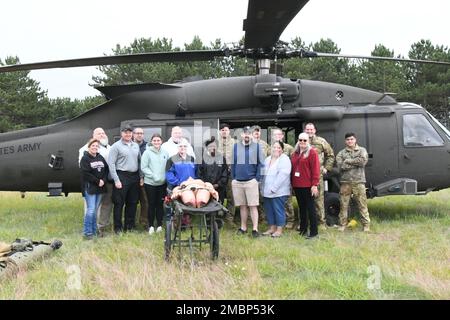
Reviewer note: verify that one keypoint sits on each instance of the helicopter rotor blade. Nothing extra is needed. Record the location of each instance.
(312, 54)
(173, 56)
(266, 21)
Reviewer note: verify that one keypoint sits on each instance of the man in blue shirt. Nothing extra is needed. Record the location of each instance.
(247, 162)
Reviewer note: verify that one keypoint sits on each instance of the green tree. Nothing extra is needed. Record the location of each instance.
(383, 76)
(22, 102)
(429, 85)
(166, 72)
(323, 69)
(66, 108)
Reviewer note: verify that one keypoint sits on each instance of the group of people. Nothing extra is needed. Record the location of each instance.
(245, 173)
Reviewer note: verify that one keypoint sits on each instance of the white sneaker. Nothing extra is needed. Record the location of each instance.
(159, 229)
(151, 230)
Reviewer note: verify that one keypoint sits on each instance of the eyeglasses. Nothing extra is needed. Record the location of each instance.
(302, 140)
(138, 133)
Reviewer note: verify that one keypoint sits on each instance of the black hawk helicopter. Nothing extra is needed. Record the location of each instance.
(414, 159)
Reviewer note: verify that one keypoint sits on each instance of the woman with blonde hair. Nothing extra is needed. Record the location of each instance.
(305, 177)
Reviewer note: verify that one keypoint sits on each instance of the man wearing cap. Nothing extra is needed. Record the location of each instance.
(247, 162)
(326, 159)
(138, 137)
(256, 134)
(226, 143)
(124, 166)
(104, 211)
(171, 145)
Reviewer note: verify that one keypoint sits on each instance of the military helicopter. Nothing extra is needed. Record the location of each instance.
(46, 158)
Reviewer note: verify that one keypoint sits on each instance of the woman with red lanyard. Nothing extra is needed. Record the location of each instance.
(305, 176)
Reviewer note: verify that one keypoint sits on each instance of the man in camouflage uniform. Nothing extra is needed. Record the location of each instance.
(291, 217)
(326, 159)
(256, 134)
(225, 146)
(351, 162)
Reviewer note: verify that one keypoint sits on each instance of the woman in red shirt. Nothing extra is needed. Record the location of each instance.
(305, 176)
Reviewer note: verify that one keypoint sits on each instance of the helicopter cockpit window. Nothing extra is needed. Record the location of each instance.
(418, 132)
(440, 125)
(149, 131)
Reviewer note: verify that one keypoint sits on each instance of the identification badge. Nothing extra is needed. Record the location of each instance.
(297, 174)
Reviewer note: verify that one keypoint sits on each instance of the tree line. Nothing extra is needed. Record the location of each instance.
(24, 104)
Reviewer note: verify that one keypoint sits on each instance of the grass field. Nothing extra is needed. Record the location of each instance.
(406, 256)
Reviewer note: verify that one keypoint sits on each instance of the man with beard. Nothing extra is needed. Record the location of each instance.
(138, 137)
(246, 166)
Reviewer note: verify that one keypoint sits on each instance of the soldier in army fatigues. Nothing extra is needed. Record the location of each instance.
(225, 147)
(256, 134)
(326, 159)
(351, 162)
(291, 217)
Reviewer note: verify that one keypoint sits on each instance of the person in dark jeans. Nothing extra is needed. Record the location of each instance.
(138, 137)
(124, 165)
(305, 177)
(94, 171)
(153, 166)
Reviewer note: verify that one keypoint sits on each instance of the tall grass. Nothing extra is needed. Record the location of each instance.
(409, 245)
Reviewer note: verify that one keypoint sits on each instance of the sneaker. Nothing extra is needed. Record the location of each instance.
(255, 234)
(275, 235)
(88, 237)
(241, 232)
(366, 229)
(341, 228)
(151, 230)
(312, 237)
(159, 229)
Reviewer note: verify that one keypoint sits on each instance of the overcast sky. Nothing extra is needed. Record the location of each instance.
(62, 29)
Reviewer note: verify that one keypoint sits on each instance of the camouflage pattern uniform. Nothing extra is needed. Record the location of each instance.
(288, 150)
(351, 163)
(326, 159)
(225, 146)
(291, 217)
(265, 148)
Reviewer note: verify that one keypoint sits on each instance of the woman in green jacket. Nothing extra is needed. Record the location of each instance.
(153, 165)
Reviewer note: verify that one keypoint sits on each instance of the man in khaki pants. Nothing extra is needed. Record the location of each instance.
(247, 162)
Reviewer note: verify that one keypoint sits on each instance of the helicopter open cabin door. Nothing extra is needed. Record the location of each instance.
(196, 132)
(424, 149)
